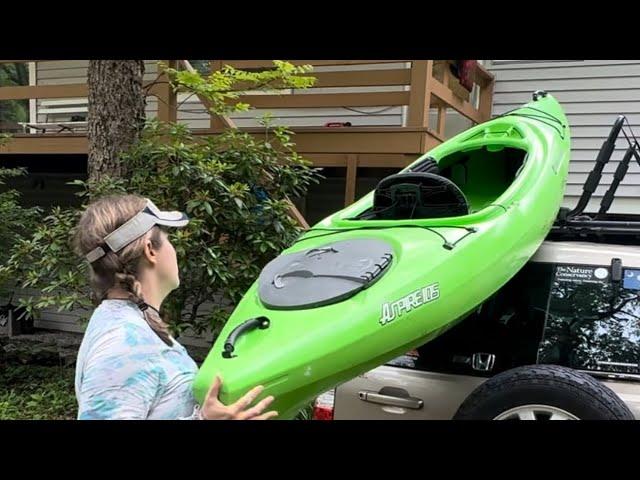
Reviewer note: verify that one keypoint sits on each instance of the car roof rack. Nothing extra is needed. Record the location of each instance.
(603, 225)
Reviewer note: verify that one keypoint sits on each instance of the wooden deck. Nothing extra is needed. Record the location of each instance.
(422, 87)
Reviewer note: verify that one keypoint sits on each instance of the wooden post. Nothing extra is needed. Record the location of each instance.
(167, 98)
(351, 177)
(297, 216)
(420, 94)
(446, 74)
(442, 119)
(486, 99)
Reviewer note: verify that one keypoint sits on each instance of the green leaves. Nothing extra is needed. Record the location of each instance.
(37, 392)
(4, 138)
(223, 87)
(16, 226)
(14, 74)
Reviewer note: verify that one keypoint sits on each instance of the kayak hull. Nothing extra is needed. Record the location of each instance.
(442, 269)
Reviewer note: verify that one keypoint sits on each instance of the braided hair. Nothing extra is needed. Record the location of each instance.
(118, 269)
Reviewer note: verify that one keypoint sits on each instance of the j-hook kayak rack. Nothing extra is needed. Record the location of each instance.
(577, 223)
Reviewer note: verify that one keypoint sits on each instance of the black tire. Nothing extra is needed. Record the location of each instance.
(562, 388)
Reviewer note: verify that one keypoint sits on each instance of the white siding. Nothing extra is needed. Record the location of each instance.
(593, 93)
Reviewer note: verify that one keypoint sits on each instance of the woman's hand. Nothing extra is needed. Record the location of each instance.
(214, 409)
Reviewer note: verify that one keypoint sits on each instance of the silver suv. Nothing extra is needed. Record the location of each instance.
(560, 341)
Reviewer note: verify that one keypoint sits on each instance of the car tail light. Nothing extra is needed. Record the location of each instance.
(323, 406)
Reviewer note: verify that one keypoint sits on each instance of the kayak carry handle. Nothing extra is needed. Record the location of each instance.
(251, 324)
(596, 174)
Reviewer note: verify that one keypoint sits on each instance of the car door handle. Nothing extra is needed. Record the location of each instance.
(403, 400)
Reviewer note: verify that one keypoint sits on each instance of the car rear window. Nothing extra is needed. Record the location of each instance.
(592, 322)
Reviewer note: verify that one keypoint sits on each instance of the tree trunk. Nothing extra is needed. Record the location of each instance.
(116, 113)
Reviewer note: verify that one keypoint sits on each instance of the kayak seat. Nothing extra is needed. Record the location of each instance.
(410, 195)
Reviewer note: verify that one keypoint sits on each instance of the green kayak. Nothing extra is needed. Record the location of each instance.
(400, 266)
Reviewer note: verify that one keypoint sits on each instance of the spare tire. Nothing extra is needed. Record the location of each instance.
(543, 392)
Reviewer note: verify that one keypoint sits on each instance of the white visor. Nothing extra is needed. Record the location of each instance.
(137, 226)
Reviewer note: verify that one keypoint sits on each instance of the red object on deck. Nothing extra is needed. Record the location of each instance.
(466, 70)
(338, 124)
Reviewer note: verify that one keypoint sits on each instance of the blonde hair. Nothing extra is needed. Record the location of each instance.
(118, 269)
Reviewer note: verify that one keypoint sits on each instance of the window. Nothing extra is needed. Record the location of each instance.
(13, 111)
(593, 323)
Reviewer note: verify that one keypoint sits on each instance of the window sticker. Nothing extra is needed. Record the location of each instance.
(631, 279)
(581, 274)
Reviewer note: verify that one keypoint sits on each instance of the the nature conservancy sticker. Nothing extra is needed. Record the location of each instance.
(581, 273)
(393, 310)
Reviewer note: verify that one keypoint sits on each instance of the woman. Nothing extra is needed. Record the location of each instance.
(129, 366)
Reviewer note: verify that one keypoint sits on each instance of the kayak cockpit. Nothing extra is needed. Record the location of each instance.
(461, 183)
(483, 174)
